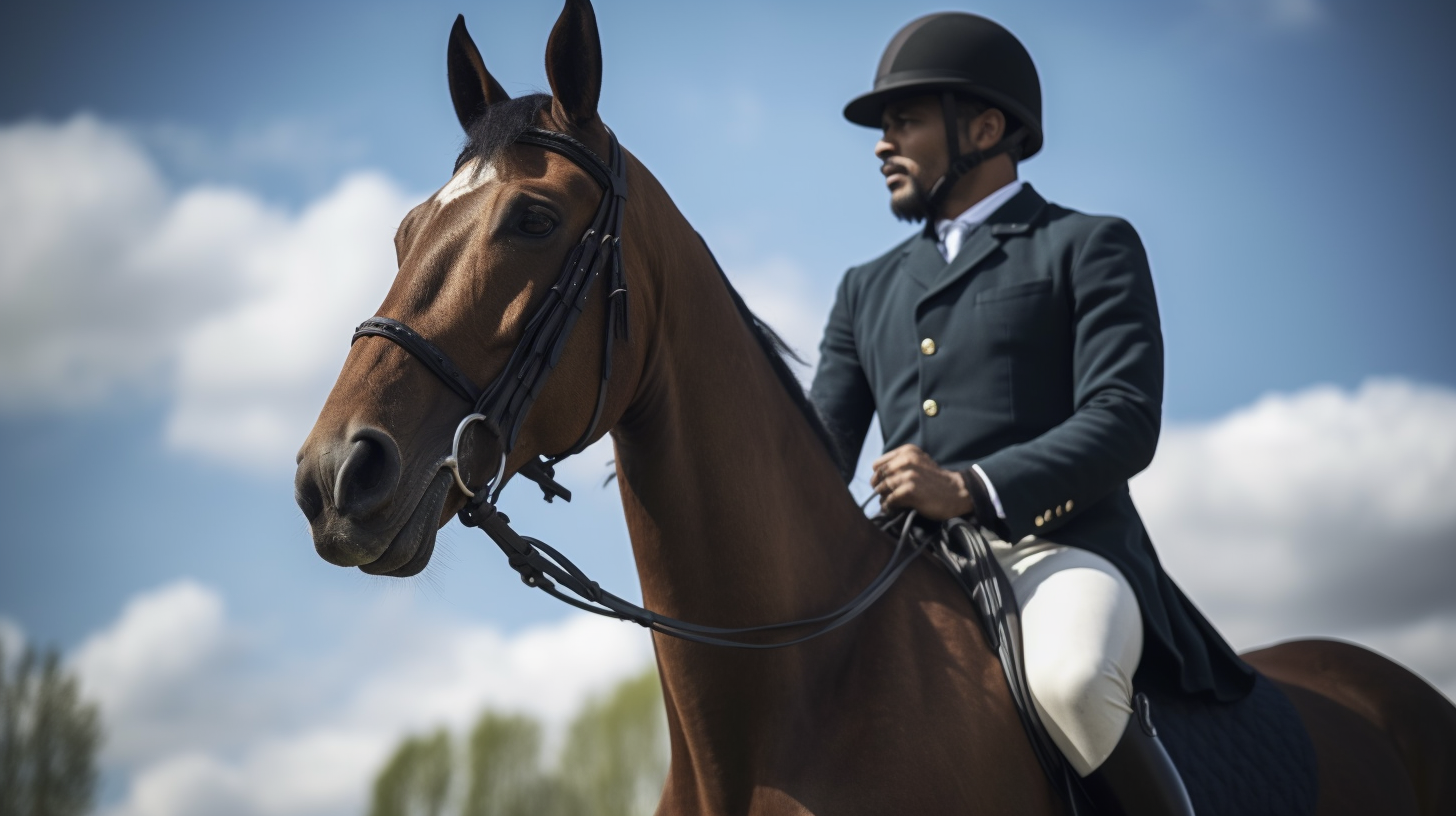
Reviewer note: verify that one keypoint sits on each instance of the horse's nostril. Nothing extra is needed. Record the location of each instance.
(368, 476)
(369, 471)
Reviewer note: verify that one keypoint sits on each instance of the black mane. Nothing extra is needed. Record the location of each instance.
(776, 350)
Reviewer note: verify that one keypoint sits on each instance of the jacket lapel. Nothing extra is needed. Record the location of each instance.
(922, 262)
(1013, 218)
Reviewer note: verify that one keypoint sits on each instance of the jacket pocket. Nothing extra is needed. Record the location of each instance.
(1032, 339)
(1015, 290)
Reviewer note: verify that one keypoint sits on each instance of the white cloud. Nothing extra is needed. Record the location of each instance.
(1323, 512)
(142, 669)
(203, 716)
(76, 318)
(109, 281)
(251, 378)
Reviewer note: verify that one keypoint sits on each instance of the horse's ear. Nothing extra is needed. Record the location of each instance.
(574, 63)
(472, 88)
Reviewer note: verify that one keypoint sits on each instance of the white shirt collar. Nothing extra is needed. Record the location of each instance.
(951, 233)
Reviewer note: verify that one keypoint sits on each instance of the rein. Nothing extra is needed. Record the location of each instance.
(502, 407)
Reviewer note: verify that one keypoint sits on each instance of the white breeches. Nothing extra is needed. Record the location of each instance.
(1082, 634)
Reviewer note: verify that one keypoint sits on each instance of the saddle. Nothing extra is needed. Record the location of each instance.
(1250, 757)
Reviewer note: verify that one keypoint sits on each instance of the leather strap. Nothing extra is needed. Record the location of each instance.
(426, 352)
(958, 164)
(543, 567)
(964, 551)
(509, 398)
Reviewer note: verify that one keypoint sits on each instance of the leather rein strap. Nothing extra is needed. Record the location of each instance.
(964, 551)
(502, 407)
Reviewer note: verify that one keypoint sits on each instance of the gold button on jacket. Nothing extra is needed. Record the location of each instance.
(927, 347)
(930, 408)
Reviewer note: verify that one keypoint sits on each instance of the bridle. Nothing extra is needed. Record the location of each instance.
(503, 405)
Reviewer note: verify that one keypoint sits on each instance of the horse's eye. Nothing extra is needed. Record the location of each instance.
(537, 222)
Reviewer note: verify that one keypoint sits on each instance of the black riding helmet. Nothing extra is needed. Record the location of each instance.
(958, 54)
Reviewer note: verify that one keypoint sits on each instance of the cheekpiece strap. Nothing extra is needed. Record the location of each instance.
(509, 398)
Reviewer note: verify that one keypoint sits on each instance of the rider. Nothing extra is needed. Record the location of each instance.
(1013, 353)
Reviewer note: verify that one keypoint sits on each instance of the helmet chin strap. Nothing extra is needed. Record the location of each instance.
(960, 163)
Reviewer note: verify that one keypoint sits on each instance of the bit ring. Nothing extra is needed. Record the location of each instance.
(453, 460)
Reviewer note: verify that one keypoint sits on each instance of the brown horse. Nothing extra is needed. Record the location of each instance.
(737, 513)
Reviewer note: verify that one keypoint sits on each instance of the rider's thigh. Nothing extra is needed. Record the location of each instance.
(1083, 637)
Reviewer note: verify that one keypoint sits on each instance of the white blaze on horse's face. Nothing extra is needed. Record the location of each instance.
(470, 177)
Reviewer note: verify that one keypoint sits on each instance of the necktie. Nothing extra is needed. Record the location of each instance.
(951, 238)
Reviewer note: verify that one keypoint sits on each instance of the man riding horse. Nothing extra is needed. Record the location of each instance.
(1013, 353)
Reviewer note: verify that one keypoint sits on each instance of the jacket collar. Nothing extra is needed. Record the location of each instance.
(1015, 217)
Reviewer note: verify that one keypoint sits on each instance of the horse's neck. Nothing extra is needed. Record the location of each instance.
(738, 515)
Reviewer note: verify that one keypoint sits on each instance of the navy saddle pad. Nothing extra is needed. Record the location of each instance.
(1251, 757)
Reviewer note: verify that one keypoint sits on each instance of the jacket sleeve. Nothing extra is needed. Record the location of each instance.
(1117, 370)
(841, 391)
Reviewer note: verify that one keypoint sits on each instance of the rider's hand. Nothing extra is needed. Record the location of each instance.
(907, 477)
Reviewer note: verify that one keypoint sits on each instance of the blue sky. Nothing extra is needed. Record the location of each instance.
(1285, 161)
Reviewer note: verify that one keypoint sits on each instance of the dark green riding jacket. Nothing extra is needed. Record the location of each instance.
(1035, 353)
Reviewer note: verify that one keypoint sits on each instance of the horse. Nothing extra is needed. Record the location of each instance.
(737, 511)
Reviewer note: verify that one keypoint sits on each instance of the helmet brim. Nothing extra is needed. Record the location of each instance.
(867, 109)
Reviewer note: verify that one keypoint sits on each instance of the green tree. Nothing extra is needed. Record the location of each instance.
(614, 764)
(616, 750)
(416, 780)
(505, 772)
(48, 738)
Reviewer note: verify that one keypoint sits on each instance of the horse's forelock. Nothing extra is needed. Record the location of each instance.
(499, 126)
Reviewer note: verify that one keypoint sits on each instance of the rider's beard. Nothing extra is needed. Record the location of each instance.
(908, 203)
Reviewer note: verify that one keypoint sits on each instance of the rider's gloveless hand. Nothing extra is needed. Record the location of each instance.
(907, 478)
